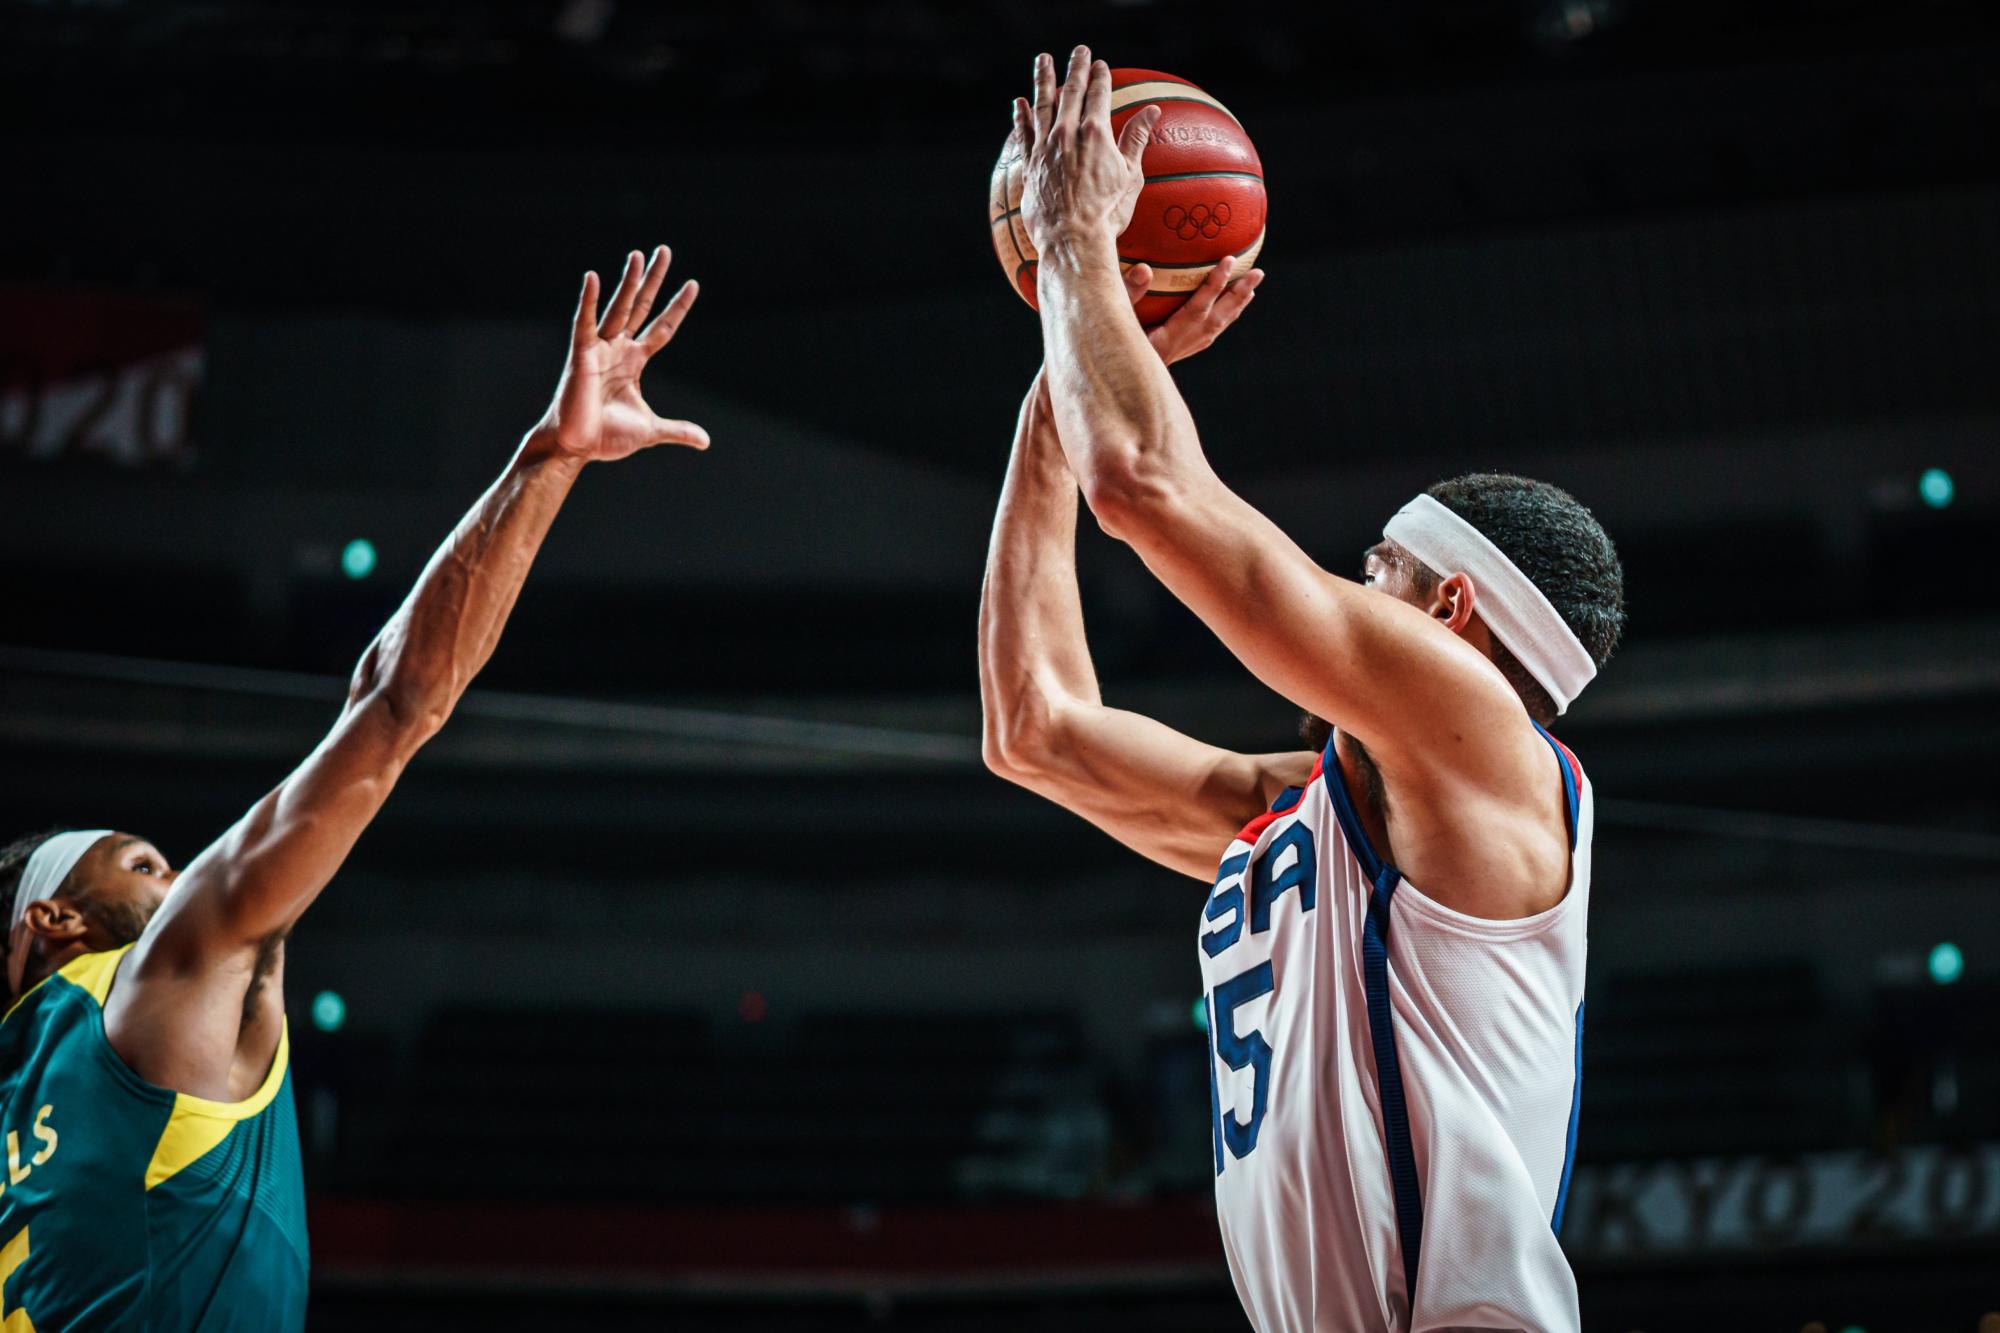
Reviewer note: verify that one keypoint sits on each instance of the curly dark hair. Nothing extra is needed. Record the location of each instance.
(13, 862)
(1563, 550)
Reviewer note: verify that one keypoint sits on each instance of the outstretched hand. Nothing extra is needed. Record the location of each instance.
(599, 411)
(1082, 182)
(1213, 307)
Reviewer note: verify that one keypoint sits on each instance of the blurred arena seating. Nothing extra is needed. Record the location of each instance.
(656, 1107)
(1717, 1060)
(879, 1108)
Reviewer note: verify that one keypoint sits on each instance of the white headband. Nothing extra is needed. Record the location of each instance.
(49, 865)
(1507, 600)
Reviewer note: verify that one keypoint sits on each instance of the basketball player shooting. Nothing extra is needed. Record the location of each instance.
(1392, 946)
(153, 1176)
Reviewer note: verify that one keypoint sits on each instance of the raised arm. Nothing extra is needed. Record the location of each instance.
(1132, 444)
(1165, 795)
(178, 1009)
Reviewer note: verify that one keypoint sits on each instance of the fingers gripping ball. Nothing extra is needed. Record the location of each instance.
(1203, 198)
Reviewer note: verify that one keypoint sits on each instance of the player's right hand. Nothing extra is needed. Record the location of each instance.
(1082, 181)
(599, 411)
(1213, 307)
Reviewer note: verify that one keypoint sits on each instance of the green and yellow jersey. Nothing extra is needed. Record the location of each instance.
(128, 1206)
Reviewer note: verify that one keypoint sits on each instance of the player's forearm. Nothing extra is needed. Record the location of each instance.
(450, 623)
(1127, 433)
(259, 876)
(1034, 658)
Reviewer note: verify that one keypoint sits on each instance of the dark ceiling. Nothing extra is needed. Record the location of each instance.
(1521, 235)
(824, 165)
(828, 137)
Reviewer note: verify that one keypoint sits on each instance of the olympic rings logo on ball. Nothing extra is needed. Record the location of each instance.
(1201, 220)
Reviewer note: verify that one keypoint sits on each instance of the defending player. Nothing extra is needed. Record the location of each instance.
(1393, 943)
(153, 1176)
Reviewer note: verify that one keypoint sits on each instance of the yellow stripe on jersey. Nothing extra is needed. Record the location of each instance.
(23, 999)
(91, 972)
(94, 972)
(12, 1256)
(197, 1125)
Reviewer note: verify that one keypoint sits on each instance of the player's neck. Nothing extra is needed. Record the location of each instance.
(44, 963)
(1363, 778)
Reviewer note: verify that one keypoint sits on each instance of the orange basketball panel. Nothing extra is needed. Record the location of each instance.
(1193, 136)
(1155, 308)
(1194, 220)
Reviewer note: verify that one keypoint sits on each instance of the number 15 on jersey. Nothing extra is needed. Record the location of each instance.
(1240, 1051)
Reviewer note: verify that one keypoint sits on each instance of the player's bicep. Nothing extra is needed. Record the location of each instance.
(1369, 663)
(256, 878)
(1169, 797)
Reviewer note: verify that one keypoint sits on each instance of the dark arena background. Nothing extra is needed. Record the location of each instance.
(699, 975)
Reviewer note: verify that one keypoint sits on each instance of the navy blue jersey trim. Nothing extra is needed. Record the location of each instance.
(1214, 1097)
(1575, 1109)
(1572, 802)
(1383, 879)
(1389, 1079)
(1572, 797)
(1287, 798)
(1350, 823)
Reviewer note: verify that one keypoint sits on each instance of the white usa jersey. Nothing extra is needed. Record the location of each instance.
(1393, 1085)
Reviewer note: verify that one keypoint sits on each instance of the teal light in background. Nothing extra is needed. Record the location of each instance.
(1936, 487)
(357, 558)
(1947, 963)
(1201, 1014)
(329, 1011)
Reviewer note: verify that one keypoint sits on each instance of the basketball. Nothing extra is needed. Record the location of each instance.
(1203, 198)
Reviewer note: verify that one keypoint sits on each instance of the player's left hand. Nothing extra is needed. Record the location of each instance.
(599, 411)
(1212, 307)
(1081, 183)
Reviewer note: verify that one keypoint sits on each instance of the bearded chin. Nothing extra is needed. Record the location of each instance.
(123, 923)
(1314, 731)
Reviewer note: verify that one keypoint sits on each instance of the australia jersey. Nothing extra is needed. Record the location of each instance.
(1393, 1084)
(126, 1206)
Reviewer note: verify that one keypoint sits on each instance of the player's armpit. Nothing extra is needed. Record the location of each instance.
(1169, 797)
(1371, 664)
(177, 1014)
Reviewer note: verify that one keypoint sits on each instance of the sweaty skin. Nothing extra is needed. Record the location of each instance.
(198, 1004)
(1471, 809)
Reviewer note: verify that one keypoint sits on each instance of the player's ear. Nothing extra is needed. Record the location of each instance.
(55, 920)
(1452, 602)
